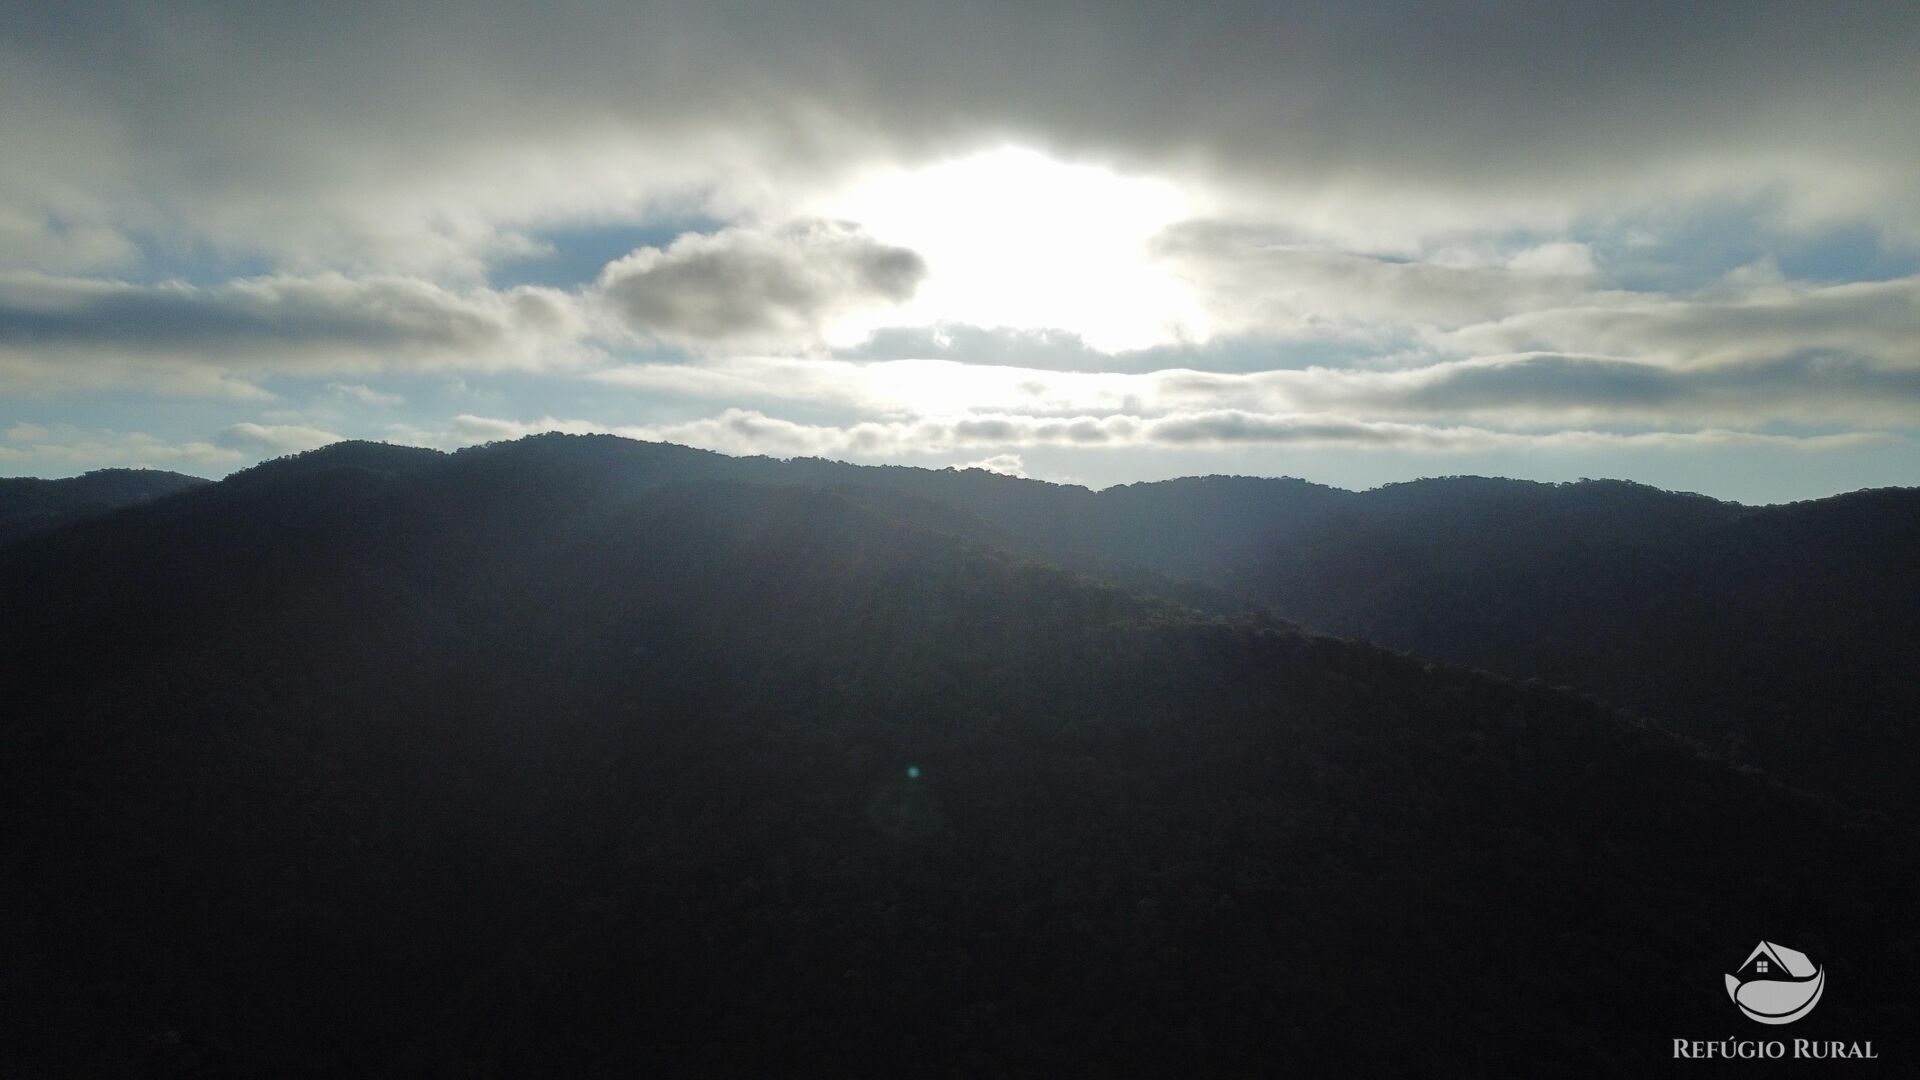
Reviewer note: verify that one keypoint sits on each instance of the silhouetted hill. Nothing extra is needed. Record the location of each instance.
(584, 757)
(29, 505)
(1781, 636)
(1784, 636)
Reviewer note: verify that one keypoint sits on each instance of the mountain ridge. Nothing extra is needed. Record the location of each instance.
(30, 504)
(527, 768)
(1676, 605)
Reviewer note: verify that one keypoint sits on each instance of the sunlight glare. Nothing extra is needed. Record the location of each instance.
(1016, 239)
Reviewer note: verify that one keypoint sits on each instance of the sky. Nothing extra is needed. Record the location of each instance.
(1089, 243)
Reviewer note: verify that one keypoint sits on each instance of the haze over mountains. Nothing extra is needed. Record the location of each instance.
(578, 755)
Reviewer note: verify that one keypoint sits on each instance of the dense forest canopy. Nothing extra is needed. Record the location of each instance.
(30, 505)
(580, 756)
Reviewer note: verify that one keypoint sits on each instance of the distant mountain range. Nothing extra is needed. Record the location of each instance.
(1787, 637)
(1781, 636)
(30, 505)
(580, 756)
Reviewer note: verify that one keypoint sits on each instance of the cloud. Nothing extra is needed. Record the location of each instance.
(65, 446)
(1878, 321)
(1809, 388)
(742, 431)
(747, 286)
(63, 333)
(400, 140)
(1031, 347)
(746, 431)
(1393, 221)
(1559, 257)
(365, 395)
(1004, 464)
(40, 243)
(1235, 428)
(1522, 389)
(276, 438)
(887, 386)
(1253, 282)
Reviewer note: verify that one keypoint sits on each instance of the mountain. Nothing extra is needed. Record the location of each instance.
(577, 756)
(29, 505)
(1780, 636)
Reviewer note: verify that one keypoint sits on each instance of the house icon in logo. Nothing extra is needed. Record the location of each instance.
(1776, 985)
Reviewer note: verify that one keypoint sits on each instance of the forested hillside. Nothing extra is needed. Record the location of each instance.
(576, 756)
(29, 505)
(1780, 636)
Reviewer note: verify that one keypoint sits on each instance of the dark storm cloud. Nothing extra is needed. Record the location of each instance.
(743, 285)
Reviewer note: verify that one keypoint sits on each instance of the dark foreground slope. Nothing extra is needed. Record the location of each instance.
(29, 505)
(525, 762)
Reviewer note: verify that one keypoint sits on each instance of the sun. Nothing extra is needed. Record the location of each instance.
(1014, 238)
